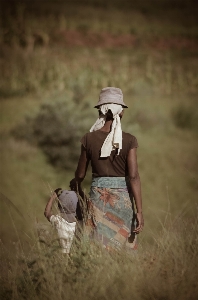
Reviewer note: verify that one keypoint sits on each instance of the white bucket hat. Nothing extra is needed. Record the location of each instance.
(111, 95)
(67, 204)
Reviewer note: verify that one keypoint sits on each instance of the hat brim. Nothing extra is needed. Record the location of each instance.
(69, 217)
(98, 105)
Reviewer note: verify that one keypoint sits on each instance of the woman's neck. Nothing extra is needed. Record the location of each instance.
(107, 126)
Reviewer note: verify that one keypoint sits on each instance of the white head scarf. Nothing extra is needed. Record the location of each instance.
(114, 138)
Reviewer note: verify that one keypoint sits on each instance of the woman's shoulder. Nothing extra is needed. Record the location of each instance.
(130, 140)
(128, 135)
(87, 134)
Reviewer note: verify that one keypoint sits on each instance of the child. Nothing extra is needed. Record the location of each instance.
(65, 221)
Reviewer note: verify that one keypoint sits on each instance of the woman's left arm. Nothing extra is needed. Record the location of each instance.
(135, 186)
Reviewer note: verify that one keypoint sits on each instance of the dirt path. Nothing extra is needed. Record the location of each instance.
(108, 40)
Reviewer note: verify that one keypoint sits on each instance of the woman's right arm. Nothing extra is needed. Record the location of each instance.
(135, 186)
(75, 183)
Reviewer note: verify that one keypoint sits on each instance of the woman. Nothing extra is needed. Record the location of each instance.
(115, 180)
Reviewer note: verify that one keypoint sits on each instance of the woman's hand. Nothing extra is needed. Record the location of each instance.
(74, 185)
(140, 223)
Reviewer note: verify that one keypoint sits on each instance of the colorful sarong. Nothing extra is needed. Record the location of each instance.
(112, 213)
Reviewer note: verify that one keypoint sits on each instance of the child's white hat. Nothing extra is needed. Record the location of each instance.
(67, 204)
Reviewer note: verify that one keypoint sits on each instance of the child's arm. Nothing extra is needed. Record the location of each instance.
(48, 208)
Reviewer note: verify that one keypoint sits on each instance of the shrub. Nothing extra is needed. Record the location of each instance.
(185, 117)
(57, 130)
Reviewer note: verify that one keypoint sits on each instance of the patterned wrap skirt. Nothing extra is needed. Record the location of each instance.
(111, 212)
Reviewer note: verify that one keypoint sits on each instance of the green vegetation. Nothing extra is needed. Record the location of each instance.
(47, 130)
(54, 59)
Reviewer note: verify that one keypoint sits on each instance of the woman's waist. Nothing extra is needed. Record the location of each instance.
(110, 182)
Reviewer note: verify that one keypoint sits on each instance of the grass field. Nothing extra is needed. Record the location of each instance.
(53, 51)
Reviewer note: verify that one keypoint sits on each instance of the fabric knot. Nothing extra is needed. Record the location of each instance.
(114, 138)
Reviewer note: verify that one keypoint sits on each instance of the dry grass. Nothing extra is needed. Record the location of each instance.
(152, 56)
(164, 269)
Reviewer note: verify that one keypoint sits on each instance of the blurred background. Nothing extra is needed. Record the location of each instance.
(55, 57)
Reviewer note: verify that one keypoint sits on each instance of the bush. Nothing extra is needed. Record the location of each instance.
(185, 117)
(57, 130)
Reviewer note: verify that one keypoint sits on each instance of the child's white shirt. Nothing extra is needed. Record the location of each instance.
(65, 231)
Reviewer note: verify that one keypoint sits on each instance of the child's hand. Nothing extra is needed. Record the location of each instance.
(58, 191)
